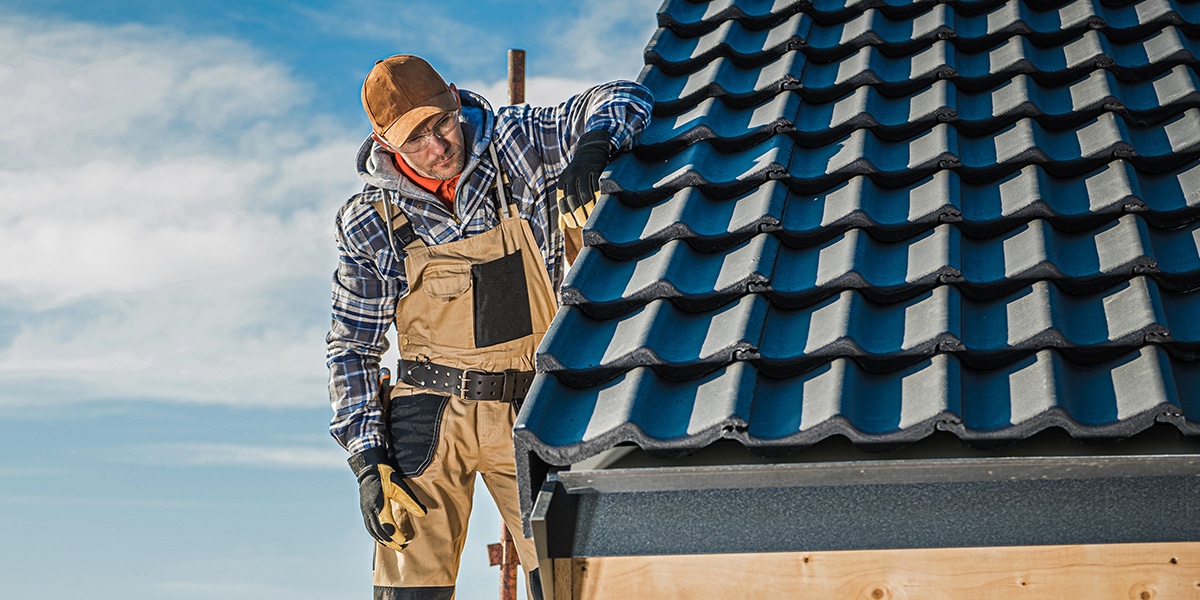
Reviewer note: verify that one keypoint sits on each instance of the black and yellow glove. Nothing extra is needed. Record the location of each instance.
(378, 486)
(579, 184)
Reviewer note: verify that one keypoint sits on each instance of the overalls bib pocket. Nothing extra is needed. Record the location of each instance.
(414, 423)
(501, 301)
(446, 280)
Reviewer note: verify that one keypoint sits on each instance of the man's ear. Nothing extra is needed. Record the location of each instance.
(457, 98)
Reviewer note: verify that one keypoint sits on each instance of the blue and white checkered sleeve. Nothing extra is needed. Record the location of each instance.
(622, 108)
(364, 303)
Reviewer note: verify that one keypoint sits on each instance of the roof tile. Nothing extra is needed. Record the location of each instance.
(884, 218)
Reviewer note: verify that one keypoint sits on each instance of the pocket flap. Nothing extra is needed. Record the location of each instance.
(446, 279)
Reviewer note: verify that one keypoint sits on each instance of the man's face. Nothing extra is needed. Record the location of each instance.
(442, 155)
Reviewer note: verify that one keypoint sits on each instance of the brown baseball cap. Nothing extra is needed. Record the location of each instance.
(402, 91)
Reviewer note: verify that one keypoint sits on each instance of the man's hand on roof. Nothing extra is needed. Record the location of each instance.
(378, 487)
(579, 185)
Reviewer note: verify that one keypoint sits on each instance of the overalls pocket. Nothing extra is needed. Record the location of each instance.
(413, 425)
(446, 280)
(501, 301)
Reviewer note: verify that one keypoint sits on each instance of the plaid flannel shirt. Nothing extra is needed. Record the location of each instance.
(534, 145)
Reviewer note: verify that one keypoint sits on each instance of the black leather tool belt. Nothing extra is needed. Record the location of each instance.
(470, 384)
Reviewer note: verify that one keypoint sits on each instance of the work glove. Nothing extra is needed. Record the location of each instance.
(378, 486)
(579, 184)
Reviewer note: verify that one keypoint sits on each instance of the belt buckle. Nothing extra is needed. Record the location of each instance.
(462, 383)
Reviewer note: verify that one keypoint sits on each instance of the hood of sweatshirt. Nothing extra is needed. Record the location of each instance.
(376, 166)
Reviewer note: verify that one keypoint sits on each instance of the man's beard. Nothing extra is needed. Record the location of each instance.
(446, 171)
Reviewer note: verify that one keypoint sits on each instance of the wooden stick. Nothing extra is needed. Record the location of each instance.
(504, 555)
(516, 76)
(508, 570)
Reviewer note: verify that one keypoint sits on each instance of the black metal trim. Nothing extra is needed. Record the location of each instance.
(877, 472)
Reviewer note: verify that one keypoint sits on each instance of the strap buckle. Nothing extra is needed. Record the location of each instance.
(462, 383)
(507, 381)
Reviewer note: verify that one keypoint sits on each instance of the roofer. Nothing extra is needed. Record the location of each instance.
(457, 238)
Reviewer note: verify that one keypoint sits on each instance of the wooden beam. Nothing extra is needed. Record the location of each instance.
(564, 572)
(1099, 572)
(516, 76)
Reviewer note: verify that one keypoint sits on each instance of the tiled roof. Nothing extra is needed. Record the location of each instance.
(879, 219)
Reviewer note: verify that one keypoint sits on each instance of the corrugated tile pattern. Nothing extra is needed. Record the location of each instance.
(884, 218)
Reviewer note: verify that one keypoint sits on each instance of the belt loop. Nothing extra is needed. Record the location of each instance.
(510, 385)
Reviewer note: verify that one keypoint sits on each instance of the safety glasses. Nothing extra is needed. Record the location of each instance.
(441, 129)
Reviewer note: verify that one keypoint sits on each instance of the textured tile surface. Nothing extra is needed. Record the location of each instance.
(882, 218)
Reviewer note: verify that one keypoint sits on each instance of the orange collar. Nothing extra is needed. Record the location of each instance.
(442, 189)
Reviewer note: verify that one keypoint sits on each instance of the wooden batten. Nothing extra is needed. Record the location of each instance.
(1097, 572)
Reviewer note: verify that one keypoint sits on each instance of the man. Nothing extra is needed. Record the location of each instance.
(457, 239)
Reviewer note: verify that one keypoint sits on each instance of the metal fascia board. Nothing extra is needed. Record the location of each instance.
(876, 472)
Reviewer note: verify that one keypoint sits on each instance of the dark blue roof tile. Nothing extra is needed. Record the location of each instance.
(737, 129)
(986, 334)
(675, 271)
(1142, 103)
(836, 11)
(1040, 391)
(885, 218)
(676, 342)
(689, 18)
(747, 86)
(1064, 153)
(703, 167)
(747, 48)
(697, 18)
(873, 27)
(1078, 263)
(979, 71)
(1165, 200)
(625, 231)
(629, 229)
(976, 31)
(723, 79)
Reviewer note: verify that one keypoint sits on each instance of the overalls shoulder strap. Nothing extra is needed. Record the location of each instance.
(501, 179)
(401, 228)
(398, 226)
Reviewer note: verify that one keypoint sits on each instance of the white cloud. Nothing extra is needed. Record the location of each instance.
(325, 457)
(229, 590)
(539, 91)
(450, 34)
(604, 40)
(75, 90)
(166, 227)
(597, 41)
(159, 242)
(588, 41)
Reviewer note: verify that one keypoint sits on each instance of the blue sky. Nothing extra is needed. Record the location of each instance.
(169, 172)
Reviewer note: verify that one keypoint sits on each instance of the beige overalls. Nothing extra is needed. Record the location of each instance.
(474, 314)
